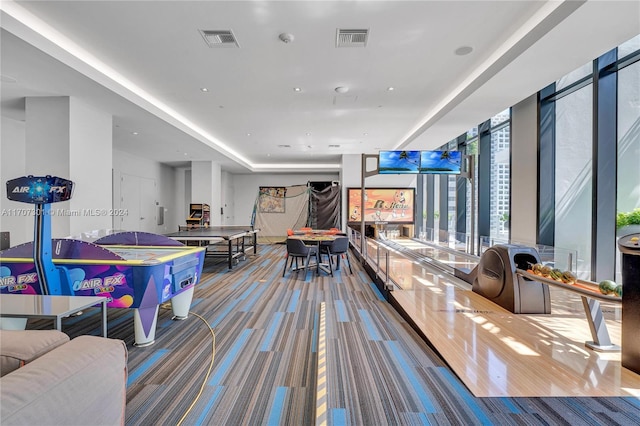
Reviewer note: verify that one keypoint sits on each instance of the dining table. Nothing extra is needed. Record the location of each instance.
(319, 239)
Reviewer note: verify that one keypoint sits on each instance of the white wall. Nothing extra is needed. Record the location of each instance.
(246, 186)
(127, 164)
(12, 165)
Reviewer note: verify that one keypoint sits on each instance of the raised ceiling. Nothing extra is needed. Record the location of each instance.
(146, 63)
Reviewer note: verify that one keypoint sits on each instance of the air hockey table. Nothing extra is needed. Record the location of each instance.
(230, 242)
(132, 269)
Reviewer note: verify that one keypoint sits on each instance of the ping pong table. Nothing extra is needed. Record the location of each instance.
(232, 242)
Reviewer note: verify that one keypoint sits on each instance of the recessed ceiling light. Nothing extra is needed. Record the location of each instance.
(463, 50)
(286, 37)
(248, 134)
(390, 89)
(134, 133)
(204, 89)
(297, 89)
(366, 134)
(341, 89)
(308, 134)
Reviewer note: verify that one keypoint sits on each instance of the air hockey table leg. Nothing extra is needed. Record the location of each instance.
(144, 322)
(181, 303)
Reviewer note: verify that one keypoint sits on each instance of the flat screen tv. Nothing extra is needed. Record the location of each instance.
(440, 162)
(381, 205)
(398, 162)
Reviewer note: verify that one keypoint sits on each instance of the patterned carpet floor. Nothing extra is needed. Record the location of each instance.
(267, 327)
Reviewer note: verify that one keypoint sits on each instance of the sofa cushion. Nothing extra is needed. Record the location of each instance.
(82, 382)
(20, 347)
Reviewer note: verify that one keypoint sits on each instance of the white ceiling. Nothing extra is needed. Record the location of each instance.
(145, 63)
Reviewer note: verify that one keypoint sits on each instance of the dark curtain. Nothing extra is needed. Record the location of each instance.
(325, 206)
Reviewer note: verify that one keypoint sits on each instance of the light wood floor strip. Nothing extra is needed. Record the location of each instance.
(321, 380)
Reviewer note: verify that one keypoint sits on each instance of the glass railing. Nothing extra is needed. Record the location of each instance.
(379, 257)
(388, 263)
(392, 263)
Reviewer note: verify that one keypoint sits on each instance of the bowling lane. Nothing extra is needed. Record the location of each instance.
(409, 258)
(443, 255)
(496, 352)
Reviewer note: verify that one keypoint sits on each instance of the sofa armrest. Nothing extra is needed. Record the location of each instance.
(79, 383)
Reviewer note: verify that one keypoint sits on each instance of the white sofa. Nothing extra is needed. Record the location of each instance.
(49, 379)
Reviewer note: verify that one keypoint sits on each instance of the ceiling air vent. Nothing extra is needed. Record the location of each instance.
(284, 146)
(219, 38)
(352, 38)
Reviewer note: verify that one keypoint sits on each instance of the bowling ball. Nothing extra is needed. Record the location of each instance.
(618, 291)
(607, 287)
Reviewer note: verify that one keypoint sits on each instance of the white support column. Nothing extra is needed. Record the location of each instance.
(90, 164)
(69, 139)
(524, 170)
(205, 187)
(350, 177)
(47, 147)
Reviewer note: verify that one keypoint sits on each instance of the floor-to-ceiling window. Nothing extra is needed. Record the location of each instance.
(495, 209)
(471, 149)
(586, 117)
(500, 175)
(628, 176)
(573, 170)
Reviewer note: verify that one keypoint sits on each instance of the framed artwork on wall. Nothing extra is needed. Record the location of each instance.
(271, 199)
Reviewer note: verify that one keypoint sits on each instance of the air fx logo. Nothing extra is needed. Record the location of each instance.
(25, 189)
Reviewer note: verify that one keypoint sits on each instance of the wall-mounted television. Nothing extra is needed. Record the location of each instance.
(381, 205)
(398, 162)
(440, 162)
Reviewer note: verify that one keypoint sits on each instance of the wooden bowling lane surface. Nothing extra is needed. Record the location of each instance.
(443, 256)
(497, 353)
(407, 273)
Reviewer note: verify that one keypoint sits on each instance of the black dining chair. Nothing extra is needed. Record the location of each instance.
(338, 248)
(297, 249)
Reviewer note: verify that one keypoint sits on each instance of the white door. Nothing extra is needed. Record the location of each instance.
(138, 197)
(148, 205)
